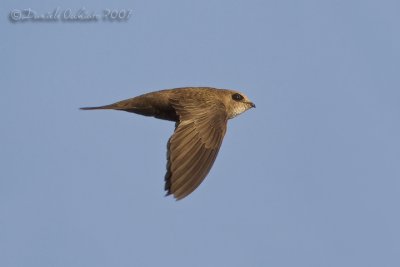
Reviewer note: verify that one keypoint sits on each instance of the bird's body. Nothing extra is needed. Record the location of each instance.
(201, 115)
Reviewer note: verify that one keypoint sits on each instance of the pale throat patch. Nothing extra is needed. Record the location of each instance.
(238, 109)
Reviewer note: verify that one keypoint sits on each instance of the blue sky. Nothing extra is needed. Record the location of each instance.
(308, 178)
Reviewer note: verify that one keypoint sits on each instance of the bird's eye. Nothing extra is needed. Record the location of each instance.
(237, 97)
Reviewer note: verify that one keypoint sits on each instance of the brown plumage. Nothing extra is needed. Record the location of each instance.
(201, 115)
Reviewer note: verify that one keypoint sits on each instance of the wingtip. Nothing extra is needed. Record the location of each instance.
(88, 108)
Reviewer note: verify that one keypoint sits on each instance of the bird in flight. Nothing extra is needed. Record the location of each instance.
(200, 115)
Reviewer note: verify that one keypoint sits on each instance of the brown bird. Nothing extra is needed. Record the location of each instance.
(201, 115)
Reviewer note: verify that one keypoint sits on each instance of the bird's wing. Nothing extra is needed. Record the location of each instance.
(193, 147)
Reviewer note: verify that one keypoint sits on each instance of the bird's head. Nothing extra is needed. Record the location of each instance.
(236, 103)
